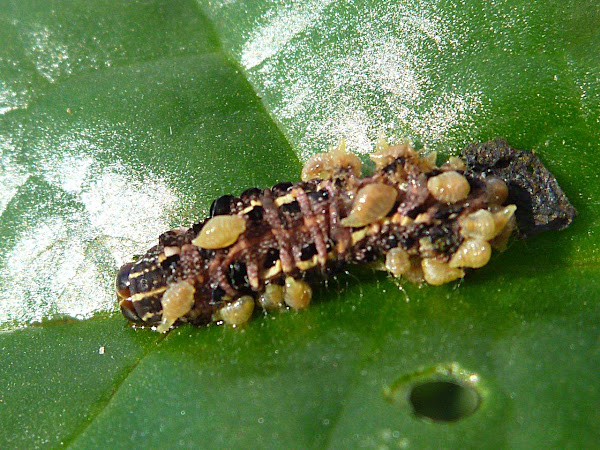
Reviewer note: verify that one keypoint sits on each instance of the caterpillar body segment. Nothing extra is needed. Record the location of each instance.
(427, 223)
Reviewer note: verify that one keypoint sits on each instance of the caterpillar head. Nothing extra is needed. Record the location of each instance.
(140, 286)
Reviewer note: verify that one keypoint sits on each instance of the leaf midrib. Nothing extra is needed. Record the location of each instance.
(69, 441)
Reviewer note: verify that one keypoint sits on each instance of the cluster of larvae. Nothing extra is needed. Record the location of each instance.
(421, 221)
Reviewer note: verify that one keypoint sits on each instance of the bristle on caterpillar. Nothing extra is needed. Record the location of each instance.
(427, 223)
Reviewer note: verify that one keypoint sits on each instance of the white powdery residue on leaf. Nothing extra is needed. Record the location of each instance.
(281, 26)
(49, 54)
(589, 94)
(384, 69)
(376, 71)
(11, 175)
(9, 98)
(130, 213)
(351, 126)
(222, 3)
(299, 95)
(447, 112)
(394, 68)
(423, 18)
(48, 274)
(87, 293)
(36, 270)
(68, 173)
(64, 265)
(126, 212)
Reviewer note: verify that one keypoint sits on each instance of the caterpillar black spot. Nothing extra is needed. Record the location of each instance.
(427, 223)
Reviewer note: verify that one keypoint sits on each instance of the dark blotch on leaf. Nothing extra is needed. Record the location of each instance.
(541, 203)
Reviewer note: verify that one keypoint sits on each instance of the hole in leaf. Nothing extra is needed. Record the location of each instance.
(442, 393)
(443, 401)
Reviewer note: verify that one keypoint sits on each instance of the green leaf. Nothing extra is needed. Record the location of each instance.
(119, 121)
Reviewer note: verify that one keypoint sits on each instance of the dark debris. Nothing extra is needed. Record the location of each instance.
(541, 203)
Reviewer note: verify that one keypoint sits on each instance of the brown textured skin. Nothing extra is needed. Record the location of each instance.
(297, 231)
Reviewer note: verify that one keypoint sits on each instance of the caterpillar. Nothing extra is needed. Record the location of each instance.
(425, 223)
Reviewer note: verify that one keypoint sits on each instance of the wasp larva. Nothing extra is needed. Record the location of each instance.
(428, 223)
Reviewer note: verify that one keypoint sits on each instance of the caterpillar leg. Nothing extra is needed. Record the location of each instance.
(326, 165)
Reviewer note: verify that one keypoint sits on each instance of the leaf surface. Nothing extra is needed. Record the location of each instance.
(118, 122)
